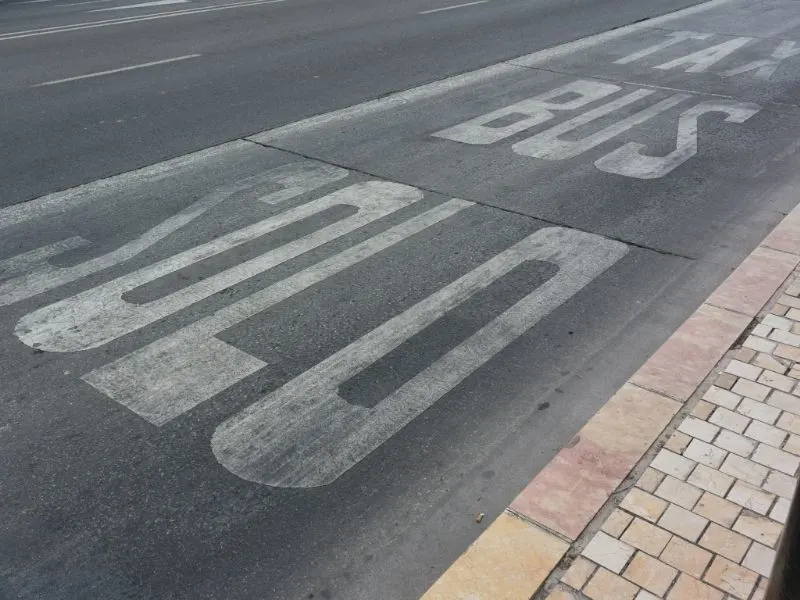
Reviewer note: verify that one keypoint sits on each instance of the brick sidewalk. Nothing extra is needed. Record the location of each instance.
(679, 486)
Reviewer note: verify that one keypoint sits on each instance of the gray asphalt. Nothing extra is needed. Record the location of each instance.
(200, 402)
(261, 66)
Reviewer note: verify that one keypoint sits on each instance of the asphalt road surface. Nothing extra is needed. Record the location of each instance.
(298, 364)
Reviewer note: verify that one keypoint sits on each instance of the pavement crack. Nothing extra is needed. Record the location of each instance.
(469, 199)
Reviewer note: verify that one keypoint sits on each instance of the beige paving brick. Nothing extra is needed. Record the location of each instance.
(650, 573)
(703, 410)
(604, 585)
(761, 590)
(751, 389)
(682, 522)
(786, 300)
(777, 381)
(751, 498)
(686, 557)
(562, 593)
(759, 344)
(742, 468)
(643, 504)
(784, 401)
(759, 559)
(717, 509)
(673, 464)
(650, 479)
(677, 442)
(780, 310)
(704, 453)
(744, 354)
(579, 572)
(646, 537)
(780, 512)
(608, 552)
(758, 528)
(793, 444)
(722, 397)
(785, 337)
(711, 480)
(792, 290)
(771, 363)
(794, 372)
(780, 484)
(698, 428)
(733, 442)
(786, 351)
(742, 369)
(616, 523)
(776, 322)
(774, 459)
(725, 542)
(758, 410)
(678, 492)
(789, 422)
(645, 595)
(689, 588)
(765, 433)
(729, 420)
(731, 578)
(761, 330)
(726, 380)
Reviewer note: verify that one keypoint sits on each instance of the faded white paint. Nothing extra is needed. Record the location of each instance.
(100, 315)
(703, 59)
(537, 109)
(765, 68)
(305, 435)
(675, 37)
(549, 145)
(629, 160)
(176, 373)
(29, 274)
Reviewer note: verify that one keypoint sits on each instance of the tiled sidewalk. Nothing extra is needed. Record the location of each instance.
(703, 520)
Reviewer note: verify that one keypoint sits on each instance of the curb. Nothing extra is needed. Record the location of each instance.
(515, 555)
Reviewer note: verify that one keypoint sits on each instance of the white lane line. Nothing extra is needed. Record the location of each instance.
(120, 70)
(15, 35)
(140, 5)
(83, 3)
(436, 10)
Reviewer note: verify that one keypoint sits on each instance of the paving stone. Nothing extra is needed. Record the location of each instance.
(744, 354)
(758, 528)
(729, 420)
(777, 381)
(776, 322)
(673, 464)
(686, 557)
(725, 542)
(771, 363)
(758, 410)
(780, 484)
(785, 337)
(761, 330)
(786, 351)
(742, 468)
(650, 573)
(751, 389)
(650, 479)
(751, 498)
(688, 588)
(605, 584)
(784, 401)
(722, 397)
(780, 310)
(725, 380)
(579, 572)
(616, 523)
(793, 444)
(645, 595)
(733, 442)
(717, 509)
(683, 522)
(765, 433)
(643, 505)
(742, 369)
(646, 537)
(678, 492)
(677, 442)
(704, 453)
(780, 512)
(759, 559)
(698, 428)
(774, 459)
(608, 552)
(711, 480)
(789, 422)
(731, 578)
(703, 410)
(759, 344)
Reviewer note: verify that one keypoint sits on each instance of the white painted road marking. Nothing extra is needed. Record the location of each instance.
(140, 5)
(120, 70)
(305, 435)
(15, 35)
(29, 274)
(176, 373)
(444, 8)
(99, 315)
